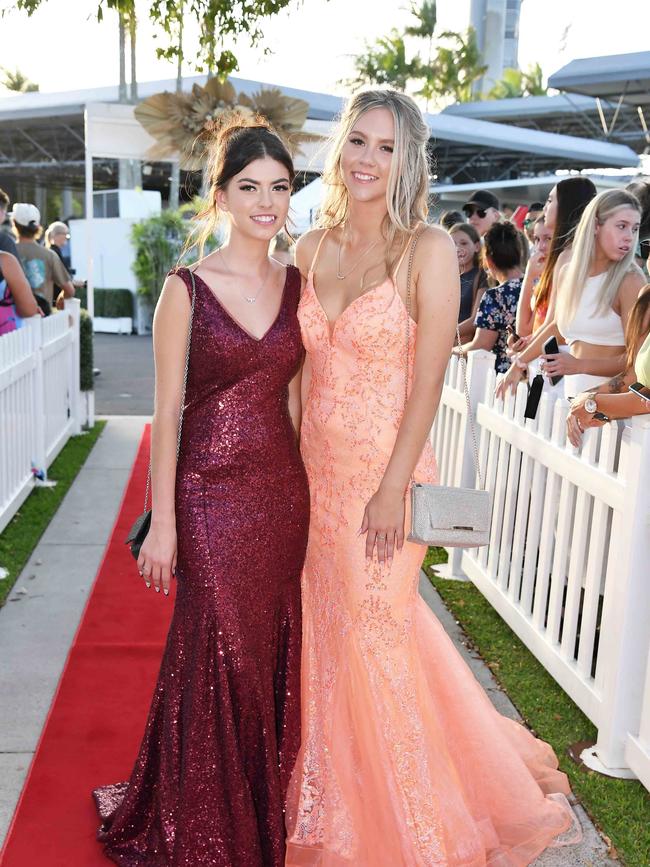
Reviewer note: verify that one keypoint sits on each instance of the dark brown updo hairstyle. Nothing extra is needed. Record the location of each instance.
(236, 144)
(501, 244)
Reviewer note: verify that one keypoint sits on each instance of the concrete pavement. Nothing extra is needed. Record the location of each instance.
(125, 385)
(40, 619)
(53, 589)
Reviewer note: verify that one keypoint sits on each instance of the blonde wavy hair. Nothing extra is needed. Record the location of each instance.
(407, 193)
(599, 209)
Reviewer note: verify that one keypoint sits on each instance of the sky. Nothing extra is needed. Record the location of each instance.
(62, 47)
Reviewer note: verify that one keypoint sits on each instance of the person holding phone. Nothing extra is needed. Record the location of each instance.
(498, 306)
(627, 394)
(595, 294)
(562, 212)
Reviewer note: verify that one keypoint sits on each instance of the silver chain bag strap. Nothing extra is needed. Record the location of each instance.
(139, 530)
(447, 517)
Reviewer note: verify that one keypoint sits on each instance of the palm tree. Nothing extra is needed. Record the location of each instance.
(427, 19)
(384, 63)
(17, 82)
(514, 84)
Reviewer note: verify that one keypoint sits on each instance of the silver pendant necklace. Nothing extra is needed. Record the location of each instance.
(341, 276)
(250, 298)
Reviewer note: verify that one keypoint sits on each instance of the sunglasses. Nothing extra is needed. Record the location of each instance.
(480, 212)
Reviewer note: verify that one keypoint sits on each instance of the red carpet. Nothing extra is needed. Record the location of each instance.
(98, 714)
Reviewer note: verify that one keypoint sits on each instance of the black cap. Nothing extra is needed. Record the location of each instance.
(482, 199)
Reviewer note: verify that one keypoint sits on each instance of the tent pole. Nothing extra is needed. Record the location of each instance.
(89, 215)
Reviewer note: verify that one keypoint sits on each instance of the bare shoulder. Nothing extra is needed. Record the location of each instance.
(306, 248)
(174, 294)
(634, 280)
(435, 246)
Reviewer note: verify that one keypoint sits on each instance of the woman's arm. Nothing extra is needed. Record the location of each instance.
(157, 560)
(614, 406)
(525, 315)
(467, 328)
(437, 295)
(21, 291)
(484, 338)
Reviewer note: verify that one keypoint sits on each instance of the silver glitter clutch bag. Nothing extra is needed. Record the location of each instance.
(443, 516)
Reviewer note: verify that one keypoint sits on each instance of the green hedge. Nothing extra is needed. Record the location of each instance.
(111, 303)
(86, 351)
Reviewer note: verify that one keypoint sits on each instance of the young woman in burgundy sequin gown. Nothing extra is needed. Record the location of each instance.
(230, 520)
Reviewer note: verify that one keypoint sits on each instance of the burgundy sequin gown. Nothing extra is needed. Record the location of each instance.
(210, 780)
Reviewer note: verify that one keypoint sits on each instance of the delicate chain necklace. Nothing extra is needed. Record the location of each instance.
(250, 298)
(365, 252)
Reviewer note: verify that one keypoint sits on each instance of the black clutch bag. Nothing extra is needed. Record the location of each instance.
(138, 533)
(140, 529)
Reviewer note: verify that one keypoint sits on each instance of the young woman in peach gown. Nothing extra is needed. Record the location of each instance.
(404, 761)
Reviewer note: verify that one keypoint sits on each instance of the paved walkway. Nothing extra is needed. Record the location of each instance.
(38, 623)
(125, 385)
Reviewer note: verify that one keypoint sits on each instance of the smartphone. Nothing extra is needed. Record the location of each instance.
(641, 389)
(511, 331)
(551, 348)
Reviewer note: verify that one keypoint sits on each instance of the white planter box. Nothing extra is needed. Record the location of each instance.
(113, 325)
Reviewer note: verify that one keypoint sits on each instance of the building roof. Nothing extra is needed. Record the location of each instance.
(42, 138)
(567, 113)
(626, 75)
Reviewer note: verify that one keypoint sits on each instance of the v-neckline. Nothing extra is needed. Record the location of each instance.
(331, 326)
(236, 322)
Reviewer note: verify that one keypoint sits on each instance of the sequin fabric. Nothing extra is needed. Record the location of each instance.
(403, 760)
(210, 780)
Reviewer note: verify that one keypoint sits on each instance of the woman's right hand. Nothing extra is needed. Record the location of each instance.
(157, 559)
(510, 380)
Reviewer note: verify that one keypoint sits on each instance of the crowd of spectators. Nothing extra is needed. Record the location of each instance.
(33, 276)
(559, 291)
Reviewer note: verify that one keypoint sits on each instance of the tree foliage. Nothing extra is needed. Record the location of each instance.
(16, 81)
(218, 20)
(444, 74)
(517, 83)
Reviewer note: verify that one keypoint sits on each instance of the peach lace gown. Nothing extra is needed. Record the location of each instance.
(404, 760)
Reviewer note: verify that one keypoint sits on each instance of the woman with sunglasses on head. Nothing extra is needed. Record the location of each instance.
(229, 521)
(403, 760)
(564, 207)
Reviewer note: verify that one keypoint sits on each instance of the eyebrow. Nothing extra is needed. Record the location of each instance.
(383, 140)
(252, 181)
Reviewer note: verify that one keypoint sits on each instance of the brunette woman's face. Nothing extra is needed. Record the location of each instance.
(257, 199)
(550, 210)
(466, 249)
(617, 235)
(367, 154)
(542, 238)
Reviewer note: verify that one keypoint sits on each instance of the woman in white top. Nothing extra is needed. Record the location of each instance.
(596, 291)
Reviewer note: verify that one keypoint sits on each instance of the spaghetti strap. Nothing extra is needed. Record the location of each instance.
(320, 243)
(402, 256)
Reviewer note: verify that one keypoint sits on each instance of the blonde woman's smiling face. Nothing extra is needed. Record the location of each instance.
(367, 154)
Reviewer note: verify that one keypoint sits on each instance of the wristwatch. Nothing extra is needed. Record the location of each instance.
(591, 406)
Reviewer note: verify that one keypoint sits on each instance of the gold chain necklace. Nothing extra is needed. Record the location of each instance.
(338, 264)
(250, 298)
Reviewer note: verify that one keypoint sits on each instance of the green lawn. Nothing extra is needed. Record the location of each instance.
(620, 808)
(21, 535)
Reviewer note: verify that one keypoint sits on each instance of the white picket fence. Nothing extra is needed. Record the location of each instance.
(567, 566)
(40, 401)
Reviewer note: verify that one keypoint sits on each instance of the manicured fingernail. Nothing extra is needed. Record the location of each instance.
(166, 592)
(157, 589)
(147, 583)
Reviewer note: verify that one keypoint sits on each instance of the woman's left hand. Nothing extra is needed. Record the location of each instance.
(383, 523)
(561, 364)
(579, 420)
